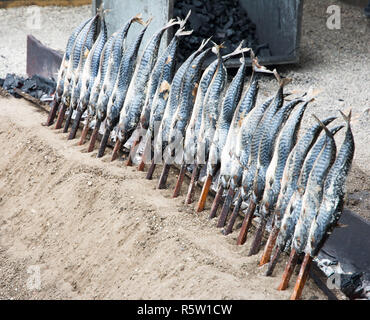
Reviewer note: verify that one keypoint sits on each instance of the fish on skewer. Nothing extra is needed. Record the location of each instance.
(229, 105)
(173, 101)
(190, 142)
(250, 174)
(331, 206)
(78, 49)
(228, 162)
(136, 94)
(310, 201)
(182, 114)
(117, 99)
(155, 80)
(89, 74)
(289, 182)
(95, 90)
(210, 115)
(62, 72)
(284, 144)
(287, 220)
(77, 74)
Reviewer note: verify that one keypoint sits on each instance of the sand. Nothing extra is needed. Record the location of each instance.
(99, 230)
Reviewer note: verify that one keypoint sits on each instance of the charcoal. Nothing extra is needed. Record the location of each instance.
(225, 21)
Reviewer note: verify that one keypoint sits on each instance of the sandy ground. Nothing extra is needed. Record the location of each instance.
(100, 230)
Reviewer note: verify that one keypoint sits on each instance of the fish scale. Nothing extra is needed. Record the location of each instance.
(230, 110)
(130, 113)
(292, 211)
(332, 204)
(313, 193)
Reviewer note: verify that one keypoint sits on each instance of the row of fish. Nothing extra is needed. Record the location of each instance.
(254, 154)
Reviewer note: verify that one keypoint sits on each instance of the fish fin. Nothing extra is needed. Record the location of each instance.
(204, 43)
(182, 22)
(148, 21)
(282, 81)
(217, 47)
(238, 50)
(347, 119)
(257, 67)
(138, 19)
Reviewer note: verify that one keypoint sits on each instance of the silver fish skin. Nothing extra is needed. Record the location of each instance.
(313, 194)
(91, 67)
(250, 174)
(230, 112)
(284, 144)
(99, 80)
(183, 112)
(78, 48)
(332, 204)
(66, 57)
(136, 94)
(114, 61)
(125, 73)
(192, 130)
(211, 109)
(156, 74)
(294, 163)
(77, 79)
(173, 101)
(294, 206)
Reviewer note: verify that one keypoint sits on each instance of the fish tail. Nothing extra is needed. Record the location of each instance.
(148, 21)
(327, 131)
(347, 119)
(282, 81)
(138, 19)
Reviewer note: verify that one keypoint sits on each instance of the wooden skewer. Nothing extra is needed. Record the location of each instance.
(84, 133)
(149, 175)
(302, 277)
(233, 217)
(246, 223)
(273, 261)
(61, 114)
(194, 179)
(141, 165)
(204, 193)
(103, 142)
(94, 135)
(68, 120)
(164, 175)
(117, 147)
(132, 152)
(256, 244)
(179, 182)
(288, 270)
(52, 113)
(216, 202)
(226, 208)
(75, 125)
(269, 246)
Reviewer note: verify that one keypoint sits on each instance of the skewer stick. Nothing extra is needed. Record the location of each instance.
(141, 165)
(149, 175)
(75, 125)
(194, 179)
(103, 142)
(84, 132)
(68, 120)
(164, 175)
(269, 246)
(52, 113)
(94, 136)
(179, 182)
(216, 202)
(246, 223)
(273, 262)
(256, 244)
(302, 277)
(132, 153)
(233, 217)
(203, 195)
(226, 208)
(116, 148)
(60, 119)
(288, 270)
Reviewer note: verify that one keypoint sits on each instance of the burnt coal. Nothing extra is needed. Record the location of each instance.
(36, 86)
(226, 21)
